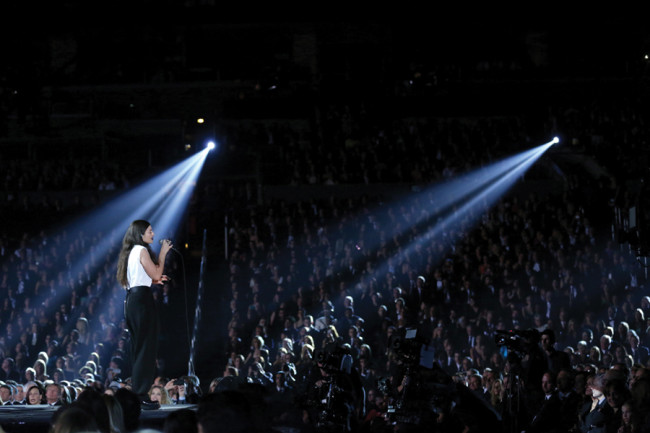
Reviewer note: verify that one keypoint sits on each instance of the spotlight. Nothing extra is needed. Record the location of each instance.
(458, 203)
(210, 145)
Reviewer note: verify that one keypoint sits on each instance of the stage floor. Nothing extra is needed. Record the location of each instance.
(36, 419)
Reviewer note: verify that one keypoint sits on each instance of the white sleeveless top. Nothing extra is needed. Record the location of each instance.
(135, 272)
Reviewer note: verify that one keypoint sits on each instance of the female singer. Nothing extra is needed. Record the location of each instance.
(137, 269)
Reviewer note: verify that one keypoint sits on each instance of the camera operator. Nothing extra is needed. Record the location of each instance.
(335, 394)
(526, 364)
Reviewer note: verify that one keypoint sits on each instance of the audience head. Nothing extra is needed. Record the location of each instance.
(131, 408)
(74, 419)
(53, 392)
(181, 421)
(35, 395)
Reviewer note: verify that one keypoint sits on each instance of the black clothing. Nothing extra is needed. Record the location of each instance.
(599, 420)
(546, 419)
(557, 360)
(143, 326)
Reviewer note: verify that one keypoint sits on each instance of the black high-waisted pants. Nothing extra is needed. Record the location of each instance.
(142, 323)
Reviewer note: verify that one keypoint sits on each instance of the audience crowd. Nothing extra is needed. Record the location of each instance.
(529, 303)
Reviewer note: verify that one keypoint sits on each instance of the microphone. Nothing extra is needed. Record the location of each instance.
(171, 248)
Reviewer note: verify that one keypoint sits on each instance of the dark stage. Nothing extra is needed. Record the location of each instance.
(36, 419)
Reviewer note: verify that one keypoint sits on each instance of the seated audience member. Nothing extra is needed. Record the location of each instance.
(131, 408)
(256, 374)
(181, 421)
(640, 354)
(193, 388)
(20, 396)
(53, 394)
(6, 394)
(30, 374)
(159, 393)
(115, 414)
(280, 391)
(94, 402)
(9, 370)
(40, 369)
(35, 395)
(617, 393)
(177, 389)
(569, 399)
(596, 416)
(544, 418)
(74, 419)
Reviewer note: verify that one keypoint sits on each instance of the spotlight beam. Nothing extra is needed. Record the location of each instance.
(496, 183)
(142, 201)
(499, 186)
(443, 197)
(164, 197)
(177, 200)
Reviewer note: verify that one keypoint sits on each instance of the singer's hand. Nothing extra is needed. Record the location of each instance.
(166, 245)
(162, 280)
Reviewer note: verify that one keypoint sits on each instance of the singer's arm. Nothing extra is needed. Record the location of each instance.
(155, 271)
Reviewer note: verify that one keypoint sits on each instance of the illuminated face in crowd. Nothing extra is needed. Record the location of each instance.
(547, 343)
(615, 398)
(547, 383)
(34, 396)
(156, 394)
(5, 394)
(496, 388)
(596, 392)
(52, 393)
(489, 377)
(20, 393)
(633, 341)
(626, 414)
(474, 383)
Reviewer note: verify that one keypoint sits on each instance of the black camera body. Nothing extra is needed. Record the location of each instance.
(334, 359)
(340, 391)
(413, 405)
(516, 340)
(408, 347)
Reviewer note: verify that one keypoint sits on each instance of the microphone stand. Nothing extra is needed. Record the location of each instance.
(197, 311)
